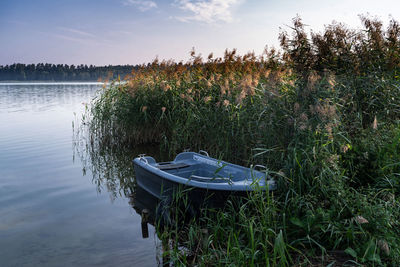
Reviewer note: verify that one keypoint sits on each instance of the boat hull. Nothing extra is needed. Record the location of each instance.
(162, 188)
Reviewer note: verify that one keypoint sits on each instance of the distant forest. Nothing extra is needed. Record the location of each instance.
(62, 72)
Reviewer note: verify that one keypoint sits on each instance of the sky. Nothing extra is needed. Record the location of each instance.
(114, 32)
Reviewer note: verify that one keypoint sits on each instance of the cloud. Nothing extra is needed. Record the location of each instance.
(17, 22)
(208, 11)
(79, 36)
(142, 5)
(74, 39)
(79, 32)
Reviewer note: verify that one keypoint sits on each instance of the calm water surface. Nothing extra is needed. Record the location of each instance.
(50, 213)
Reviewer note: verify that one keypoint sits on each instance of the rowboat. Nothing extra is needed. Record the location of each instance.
(199, 173)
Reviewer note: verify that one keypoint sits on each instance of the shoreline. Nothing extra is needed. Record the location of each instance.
(47, 82)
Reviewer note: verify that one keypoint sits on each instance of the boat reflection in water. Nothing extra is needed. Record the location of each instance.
(172, 219)
(164, 213)
(160, 215)
(146, 206)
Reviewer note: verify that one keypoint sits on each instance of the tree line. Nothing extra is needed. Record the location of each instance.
(62, 72)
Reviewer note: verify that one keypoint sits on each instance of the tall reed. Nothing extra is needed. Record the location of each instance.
(323, 114)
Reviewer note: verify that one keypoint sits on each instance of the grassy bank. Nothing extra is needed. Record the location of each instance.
(324, 116)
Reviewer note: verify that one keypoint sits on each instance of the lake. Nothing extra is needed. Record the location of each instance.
(53, 209)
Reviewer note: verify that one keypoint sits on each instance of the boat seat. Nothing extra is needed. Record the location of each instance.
(171, 166)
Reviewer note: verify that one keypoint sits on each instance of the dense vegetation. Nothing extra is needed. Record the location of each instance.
(324, 116)
(60, 72)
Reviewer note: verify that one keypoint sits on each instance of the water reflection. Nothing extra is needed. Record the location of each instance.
(39, 97)
(111, 166)
(112, 171)
(148, 207)
(51, 215)
(144, 204)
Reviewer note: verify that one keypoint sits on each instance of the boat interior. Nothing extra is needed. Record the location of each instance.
(204, 172)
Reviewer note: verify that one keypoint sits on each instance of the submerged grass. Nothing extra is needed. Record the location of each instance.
(324, 116)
